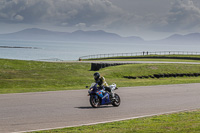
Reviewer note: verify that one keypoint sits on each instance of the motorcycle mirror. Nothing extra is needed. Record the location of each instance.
(86, 86)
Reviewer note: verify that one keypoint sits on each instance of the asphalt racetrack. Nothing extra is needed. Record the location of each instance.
(49, 110)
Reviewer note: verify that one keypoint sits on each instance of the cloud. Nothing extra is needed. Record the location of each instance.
(59, 12)
(19, 18)
(81, 26)
(183, 15)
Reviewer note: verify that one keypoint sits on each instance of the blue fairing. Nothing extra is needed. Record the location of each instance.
(104, 97)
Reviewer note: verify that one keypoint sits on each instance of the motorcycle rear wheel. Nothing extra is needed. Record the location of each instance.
(95, 102)
(117, 101)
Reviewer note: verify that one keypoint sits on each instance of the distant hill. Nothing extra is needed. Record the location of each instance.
(193, 38)
(77, 36)
(34, 34)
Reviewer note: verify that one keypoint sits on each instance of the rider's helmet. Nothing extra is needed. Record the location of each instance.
(96, 76)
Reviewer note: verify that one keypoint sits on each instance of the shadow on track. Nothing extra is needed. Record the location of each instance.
(89, 107)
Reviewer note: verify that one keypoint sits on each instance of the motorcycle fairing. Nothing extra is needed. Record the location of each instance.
(105, 99)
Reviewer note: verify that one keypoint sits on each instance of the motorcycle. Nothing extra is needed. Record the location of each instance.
(100, 97)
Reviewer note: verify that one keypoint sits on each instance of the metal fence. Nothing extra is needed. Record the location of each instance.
(97, 56)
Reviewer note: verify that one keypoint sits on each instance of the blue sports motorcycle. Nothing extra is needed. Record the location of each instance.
(100, 97)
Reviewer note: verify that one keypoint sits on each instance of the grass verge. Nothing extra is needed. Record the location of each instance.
(184, 122)
(18, 76)
(30, 76)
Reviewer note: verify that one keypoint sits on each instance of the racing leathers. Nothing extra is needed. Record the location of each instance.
(103, 85)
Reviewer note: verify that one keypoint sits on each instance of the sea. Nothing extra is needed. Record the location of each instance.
(72, 51)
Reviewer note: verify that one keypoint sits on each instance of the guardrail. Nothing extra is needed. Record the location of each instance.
(97, 56)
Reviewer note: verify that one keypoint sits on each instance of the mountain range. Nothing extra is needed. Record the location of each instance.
(77, 36)
(95, 36)
(184, 39)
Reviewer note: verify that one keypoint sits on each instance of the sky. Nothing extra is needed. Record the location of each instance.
(149, 19)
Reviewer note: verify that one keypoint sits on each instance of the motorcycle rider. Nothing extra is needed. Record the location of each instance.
(100, 80)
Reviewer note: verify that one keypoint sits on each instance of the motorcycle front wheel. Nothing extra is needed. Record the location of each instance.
(94, 101)
(117, 101)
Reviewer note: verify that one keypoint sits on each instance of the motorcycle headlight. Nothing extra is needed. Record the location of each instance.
(89, 91)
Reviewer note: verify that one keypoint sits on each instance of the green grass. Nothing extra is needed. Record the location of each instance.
(115, 74)
(30, 76)
(184, 122)
(149, 69)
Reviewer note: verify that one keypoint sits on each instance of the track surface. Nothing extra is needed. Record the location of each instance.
(37, 111)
